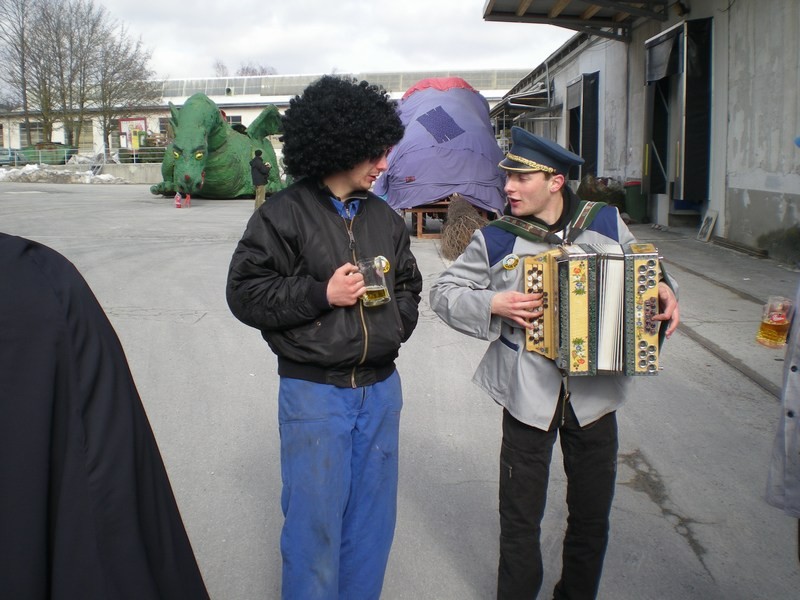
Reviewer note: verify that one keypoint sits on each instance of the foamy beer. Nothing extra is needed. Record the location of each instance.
(775, 321)
(373, 270)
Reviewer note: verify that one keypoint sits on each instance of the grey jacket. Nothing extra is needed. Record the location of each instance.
(783, 483)
(526, 383)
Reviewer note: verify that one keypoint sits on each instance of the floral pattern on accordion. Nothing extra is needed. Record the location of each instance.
(578, 289)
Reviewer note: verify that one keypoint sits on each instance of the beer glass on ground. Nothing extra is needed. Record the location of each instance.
(775, 321)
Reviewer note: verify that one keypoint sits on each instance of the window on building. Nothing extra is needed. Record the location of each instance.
(113, 135)
(235, 121)
(2, 138)
(37, 133)
(165, 133)
(86, 143)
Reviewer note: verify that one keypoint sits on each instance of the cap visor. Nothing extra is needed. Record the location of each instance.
(512, 165)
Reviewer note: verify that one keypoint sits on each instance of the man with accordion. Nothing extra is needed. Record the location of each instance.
(484, 294)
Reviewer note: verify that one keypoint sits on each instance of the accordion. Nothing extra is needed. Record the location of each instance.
(598, 308)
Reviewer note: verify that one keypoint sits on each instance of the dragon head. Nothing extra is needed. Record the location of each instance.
(192, 126)
(190, 164)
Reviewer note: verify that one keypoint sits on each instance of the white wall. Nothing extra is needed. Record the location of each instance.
(763, 111)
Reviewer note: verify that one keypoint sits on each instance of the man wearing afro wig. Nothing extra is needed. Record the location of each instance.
(293, 277)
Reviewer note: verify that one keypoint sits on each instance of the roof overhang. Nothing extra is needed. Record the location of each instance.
(612, 19)
(523, 102)
(524, 107)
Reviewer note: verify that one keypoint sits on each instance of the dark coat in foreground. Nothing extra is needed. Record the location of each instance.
(86, 509)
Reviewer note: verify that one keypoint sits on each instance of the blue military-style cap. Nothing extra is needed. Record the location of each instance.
(530, 153)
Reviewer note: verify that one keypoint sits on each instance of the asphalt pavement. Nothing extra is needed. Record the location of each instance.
(689, 520)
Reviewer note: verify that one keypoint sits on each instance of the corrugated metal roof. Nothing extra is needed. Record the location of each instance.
(395, 83)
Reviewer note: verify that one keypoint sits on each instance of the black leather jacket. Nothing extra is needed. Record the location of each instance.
(279, 275)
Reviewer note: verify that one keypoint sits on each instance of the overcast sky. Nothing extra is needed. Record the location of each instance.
(306, 37)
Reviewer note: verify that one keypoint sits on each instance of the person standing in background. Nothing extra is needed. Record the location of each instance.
(783, 480)
(259, 171)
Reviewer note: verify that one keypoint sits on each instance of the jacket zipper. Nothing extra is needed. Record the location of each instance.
(349, 228)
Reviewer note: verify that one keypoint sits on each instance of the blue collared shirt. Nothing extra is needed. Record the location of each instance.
(346, 209)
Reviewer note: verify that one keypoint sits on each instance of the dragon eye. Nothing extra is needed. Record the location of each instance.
(176, 154)
(198, 155)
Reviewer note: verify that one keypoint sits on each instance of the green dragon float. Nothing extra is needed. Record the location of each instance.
(210, 159)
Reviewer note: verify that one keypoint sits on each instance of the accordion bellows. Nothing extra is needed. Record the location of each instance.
(599, 303)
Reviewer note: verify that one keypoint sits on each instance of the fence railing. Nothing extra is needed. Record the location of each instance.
(11, 158)
(60, 156)
(47, 156)
(141, 155)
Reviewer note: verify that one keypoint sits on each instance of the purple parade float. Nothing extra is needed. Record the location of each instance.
(448, 151)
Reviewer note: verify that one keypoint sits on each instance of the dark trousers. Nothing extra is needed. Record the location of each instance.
(590, 464)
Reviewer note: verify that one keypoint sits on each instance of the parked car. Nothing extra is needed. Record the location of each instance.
(10, 157)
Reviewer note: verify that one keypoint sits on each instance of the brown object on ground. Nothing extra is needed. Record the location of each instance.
(462, 221)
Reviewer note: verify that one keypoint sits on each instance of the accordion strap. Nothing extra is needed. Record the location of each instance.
(528, 230)
(586, 213)
(537, 232)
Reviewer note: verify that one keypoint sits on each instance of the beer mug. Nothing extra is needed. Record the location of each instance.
(775, 321)
(374, 270)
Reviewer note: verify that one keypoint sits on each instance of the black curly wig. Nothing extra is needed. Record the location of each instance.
(336, 124)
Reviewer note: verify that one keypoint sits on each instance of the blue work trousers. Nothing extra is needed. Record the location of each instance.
(339, 465)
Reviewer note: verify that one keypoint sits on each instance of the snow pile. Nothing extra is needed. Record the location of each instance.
(45, 174)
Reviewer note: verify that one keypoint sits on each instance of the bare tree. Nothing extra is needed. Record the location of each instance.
(220, 69)
(65, 58)
(41, 79)
(15, 17)
(253, 69)
(68, 34)
(7, 101)
(122, 80)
